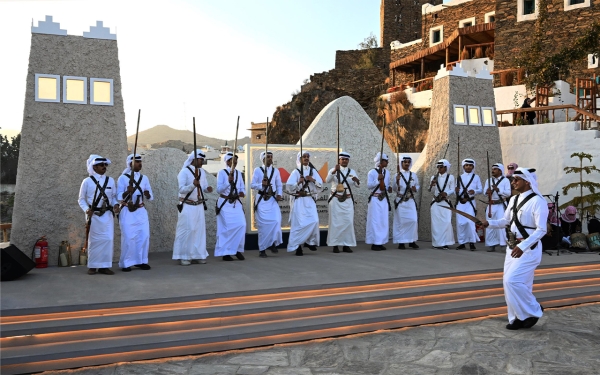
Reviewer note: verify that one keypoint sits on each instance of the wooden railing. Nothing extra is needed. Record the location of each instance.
(418, 84)
(518, 113)
(5, 227)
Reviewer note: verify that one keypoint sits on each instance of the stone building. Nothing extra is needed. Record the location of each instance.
(73, 108)
(258, 132)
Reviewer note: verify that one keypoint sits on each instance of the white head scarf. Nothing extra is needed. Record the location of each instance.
(406, 157)
(193, 155)
(299, 157)
(93, 160)
(343, 154)
(263, 154)
(376, 160)
(445, 163)
(499, 166)
(469, 161)
(228, 156)
(128, 162)
(528, 174)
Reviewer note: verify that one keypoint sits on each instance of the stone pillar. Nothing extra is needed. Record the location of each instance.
(58, 136)
(457, 88)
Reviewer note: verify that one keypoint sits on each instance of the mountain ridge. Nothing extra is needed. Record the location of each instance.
(163, 133)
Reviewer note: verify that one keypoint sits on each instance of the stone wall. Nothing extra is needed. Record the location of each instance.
(401, 53)
(562, 28)
(57, 139)
(401, 20)
(449, 17)
(345, 60)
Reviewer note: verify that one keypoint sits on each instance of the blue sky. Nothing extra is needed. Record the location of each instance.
(213, 60)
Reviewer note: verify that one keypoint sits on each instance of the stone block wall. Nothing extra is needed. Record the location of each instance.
(401, 20)
(450, 17)
(345, 60)
(57, 138)
(562, 27)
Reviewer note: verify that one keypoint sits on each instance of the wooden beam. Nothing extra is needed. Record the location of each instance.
(422, 68)
(459, 47)
(447, 57)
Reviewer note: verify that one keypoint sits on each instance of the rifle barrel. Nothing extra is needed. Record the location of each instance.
(137, 132)
(195, 156)
(301, 152)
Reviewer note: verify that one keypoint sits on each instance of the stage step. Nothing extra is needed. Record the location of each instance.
(36, 341)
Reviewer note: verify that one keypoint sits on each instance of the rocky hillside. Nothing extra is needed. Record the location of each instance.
(165, 136)
(408, 127)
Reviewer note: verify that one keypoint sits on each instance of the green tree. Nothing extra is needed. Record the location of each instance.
(587, 202)
(368, 57)
(9, 158)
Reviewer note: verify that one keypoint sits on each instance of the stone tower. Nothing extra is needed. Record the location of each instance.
(401, 20)
(73, 108)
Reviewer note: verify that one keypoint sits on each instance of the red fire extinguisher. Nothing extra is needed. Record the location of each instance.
(40, 253)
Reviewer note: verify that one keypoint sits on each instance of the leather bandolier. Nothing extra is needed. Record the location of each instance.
(344, 195)
(382, 195)
(106, 206)
(404, 197)
(438, 198)
(133, 207)
(266, 193)
(233, 194)
(193, 203)
(460, 197)
(511, 237)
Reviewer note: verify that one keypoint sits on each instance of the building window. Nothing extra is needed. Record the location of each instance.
(527, 10)
(466, 22)
(101, 91)
(576, 4)
(74, 90)
(460, 114)
(474, 116)
(488, 116)
(490, 17)
(528, 7)
(47, 88)
(592, 61)
(436, 35)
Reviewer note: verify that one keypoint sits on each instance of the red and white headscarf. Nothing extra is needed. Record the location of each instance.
(509, 172)
(570, 214)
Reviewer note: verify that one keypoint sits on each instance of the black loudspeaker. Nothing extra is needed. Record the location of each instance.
(14, 263)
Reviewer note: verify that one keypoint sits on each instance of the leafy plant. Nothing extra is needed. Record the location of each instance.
(587, 202)
(369, 56)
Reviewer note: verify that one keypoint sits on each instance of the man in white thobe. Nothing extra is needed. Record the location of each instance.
(378, 221)
(97, 195)
(135, 227)
(442, 185)
(468, 185)
(527, 216)
(304, 184)
(341, 205)
(406, 185)
(499, 187)
(231, 220)
(266, 182)
(190, 235)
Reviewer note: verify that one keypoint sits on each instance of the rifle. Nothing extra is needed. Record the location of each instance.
(301, 153)
(268, 190)
(130, 204)
(88, 225)
(438, 173)
(490, 185)
(457, 173)
(232, 172)
(340, 187)
(195, 157)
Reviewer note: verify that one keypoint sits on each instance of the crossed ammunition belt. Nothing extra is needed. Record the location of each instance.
(230, 198)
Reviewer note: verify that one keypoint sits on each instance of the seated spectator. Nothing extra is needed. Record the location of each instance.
(569, 224)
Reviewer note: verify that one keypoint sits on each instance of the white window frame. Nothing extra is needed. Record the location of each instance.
(461, 23)
(57, 77)
(432, 30)
(85, 90)
(472, 121)
(526, 17)
(464, 108)
(568, 6)
(488, 15)
(112, 91)
(483, 117)
(593, 65)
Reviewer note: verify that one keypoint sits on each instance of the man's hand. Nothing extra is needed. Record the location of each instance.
(310, 179)
(355, 179)
(230, 178)
(516, 252)
(130, 189)
(196, 183)
(147, 194)
(242, 195)
(488, 192)
(444, 194)
(265, 182)
(414, 189)
(380, 177)
(456, 190)
(301, 181)
(88, 211)
(279, 198)
(209, 189)
(471, 192)
(337, 167)
(485, 223)
(117, 208)
(389, 189)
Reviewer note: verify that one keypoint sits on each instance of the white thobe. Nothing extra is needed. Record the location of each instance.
(378, 221)
(268, 213)
(190, 235)
(135, 227)
(465, 228)
(405, 229)
(102, 228)
(304, 218)
(231, 220)
(519, 272)
(441, 218)
(495, 237)
(341, 214)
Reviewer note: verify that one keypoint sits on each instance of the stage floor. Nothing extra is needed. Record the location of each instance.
(59, 287)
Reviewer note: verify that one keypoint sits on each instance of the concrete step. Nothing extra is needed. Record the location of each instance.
(36, 342)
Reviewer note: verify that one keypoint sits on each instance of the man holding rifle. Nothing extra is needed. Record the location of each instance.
(190, 237)
(443, 186)
(468, 185)
(266, 181)
(406, 185)
(499, 188)
(231, 222)
(341, 205)
(378, 223)
(97, 195)
(132, 189)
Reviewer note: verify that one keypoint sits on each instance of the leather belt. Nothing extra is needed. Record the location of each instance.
(499, 201)
(190, 202)
(406, 199)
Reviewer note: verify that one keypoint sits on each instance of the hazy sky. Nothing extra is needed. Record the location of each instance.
(213, 60)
